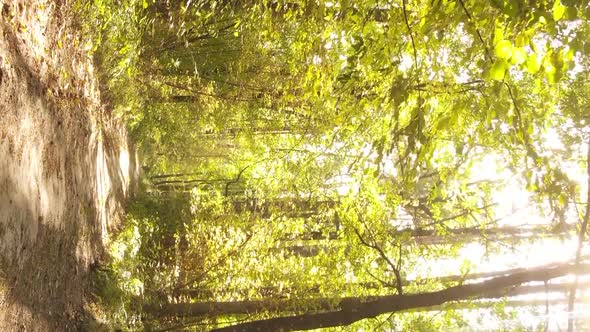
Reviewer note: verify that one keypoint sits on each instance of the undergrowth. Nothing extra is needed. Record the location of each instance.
(114, 28)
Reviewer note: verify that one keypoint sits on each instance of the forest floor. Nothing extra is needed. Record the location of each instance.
(66, 167)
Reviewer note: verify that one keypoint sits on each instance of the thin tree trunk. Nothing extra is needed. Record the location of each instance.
(202, 293)
(430, 236)
(312, 249)
(473, 305)
(581, 238)
(173, 175)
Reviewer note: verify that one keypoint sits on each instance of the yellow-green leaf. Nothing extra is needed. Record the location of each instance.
(498, 35)
(443, 123)
(518, 55)
(532, 64)
(503, 49)
(551, 72)
(558, 10)
(521, 40)
(498, 70)
(569, 55)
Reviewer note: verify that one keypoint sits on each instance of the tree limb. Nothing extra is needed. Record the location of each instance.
(394, 268)
(410, 33)
(487, 52)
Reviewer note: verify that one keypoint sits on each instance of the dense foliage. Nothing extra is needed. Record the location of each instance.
(314, 156)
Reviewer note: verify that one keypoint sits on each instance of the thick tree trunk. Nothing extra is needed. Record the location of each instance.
(353, 311)
(200, 308)
(486, 289)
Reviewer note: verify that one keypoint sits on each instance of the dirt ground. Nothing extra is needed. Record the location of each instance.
(66, 167)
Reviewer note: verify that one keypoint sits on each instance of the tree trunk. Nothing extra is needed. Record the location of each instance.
(427, 237)
(493, 288)
(373, 307)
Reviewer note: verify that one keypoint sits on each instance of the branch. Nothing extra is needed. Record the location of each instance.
(184, 182)
(383, 282)
(236, 180)
(466, 212)
(449, 88)
(319, 304)
(398, 277)
(410, 33)
(197, 92)
(208, 35)
(487, 52)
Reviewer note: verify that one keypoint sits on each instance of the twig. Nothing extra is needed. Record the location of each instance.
(378, 327)
(443, 84)
(383, 282)
(218, 263)
(515, 104)
(448, 91)
(235, 180)
(465, 212)
(410, 33)
(487, 52)
(399, 284)
(197, 92)
(399, 258)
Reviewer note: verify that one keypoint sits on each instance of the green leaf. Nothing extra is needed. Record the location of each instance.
(551, 72)
(557, 59)
(498, 70)
(569, 55)
(443, 123)
(558, 10)
(518, 55)
(532, 64)
(503, 49)
(498, 35)
(562, 200)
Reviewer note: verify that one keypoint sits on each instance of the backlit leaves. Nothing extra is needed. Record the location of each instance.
(558, 10)
(498, 69)
(503, 49)
(297, 125)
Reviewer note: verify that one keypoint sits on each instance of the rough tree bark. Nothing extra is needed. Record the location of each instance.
(337, 311)
(354, 312)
